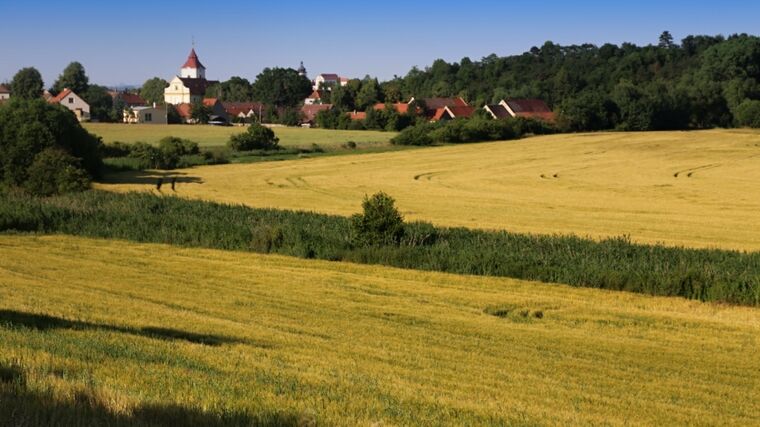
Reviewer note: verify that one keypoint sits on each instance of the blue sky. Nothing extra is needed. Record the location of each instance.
(129, 42)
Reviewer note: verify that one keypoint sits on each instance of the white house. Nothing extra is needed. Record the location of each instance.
(5, 93)
(190, 86)
(325, 80)
(73, 102)
(146, 115)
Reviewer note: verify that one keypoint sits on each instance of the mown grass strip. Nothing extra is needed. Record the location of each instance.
(615, 264)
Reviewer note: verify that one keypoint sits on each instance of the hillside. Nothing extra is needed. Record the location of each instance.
(129, 333)
(681, 188)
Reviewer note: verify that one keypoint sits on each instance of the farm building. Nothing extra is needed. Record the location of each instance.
(400, 107)
(243, 110)
(455, 112)
(309, 113)
(146, 115)
(129, 99)
(73, 102)
(357, 115)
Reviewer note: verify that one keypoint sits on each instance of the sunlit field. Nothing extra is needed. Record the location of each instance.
(698, 189)
(122, 332)
(212, 136)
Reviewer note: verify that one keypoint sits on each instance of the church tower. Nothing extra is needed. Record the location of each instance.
(302, 70)
(193, 68)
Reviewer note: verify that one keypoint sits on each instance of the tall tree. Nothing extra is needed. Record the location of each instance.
(281, 87)
(369, 94)
(101, 103)
(153, 90)
(27, 84)
(73, 77)
(666, 40)
(236, 89)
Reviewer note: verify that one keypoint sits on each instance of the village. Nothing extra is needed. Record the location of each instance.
(191, 88)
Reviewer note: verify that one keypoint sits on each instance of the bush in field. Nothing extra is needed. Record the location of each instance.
(30, 127)
(257, 137)
(380, 224)
(415, 135)
(747, 114)
(54, 171)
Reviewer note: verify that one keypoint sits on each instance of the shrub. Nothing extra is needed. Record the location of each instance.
(257, 137)
(381, 224)
(54, 171)
(415, 135)
(747, 114)
(351, 145)
(116, 149)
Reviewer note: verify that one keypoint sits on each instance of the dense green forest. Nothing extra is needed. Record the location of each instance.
(703, 82)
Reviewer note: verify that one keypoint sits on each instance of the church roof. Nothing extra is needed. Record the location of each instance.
(193, 61)
(197, 86)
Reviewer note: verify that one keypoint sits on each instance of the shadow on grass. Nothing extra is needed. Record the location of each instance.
(42, 322)
(22, 407)
(149, 177)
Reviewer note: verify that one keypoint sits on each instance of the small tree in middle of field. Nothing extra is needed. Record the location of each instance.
(380, 224)
(257, 137)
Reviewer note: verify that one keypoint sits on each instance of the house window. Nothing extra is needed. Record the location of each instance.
(176, 87)
(71, 100)
(148, 117)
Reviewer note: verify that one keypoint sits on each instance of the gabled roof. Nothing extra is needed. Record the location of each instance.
(4, 89)
(528, 106)
(61, 96)
(210, 102)
(192, 61)
(498, 111)
(316, 95)
(197, 86)
(439, 113)
(436, 103)
(463, 111)
(330, 77)
(310, 111)
(236, 108)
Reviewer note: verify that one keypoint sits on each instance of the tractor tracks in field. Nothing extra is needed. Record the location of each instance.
(691, 171)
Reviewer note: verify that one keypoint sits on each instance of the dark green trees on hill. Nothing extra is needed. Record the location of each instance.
(43, 148)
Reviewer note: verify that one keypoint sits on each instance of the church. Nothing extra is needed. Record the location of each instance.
(191, 84)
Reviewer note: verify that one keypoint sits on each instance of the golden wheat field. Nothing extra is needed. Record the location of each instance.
(200, 335)
(214, 136)
(698, 189)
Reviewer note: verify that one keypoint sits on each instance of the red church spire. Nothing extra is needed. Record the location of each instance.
(193, 61)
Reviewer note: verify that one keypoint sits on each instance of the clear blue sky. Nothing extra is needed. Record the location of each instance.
(128, 42)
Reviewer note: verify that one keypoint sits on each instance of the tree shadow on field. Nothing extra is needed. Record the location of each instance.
(20, 406)
(42, 322)
(149, 177)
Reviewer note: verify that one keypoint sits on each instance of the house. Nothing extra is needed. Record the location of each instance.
(190, 86)
(5, 93)
(435, 108)
(455, 112)
(327, 80)
(309, 113)
(317, 97)
(146, 115)
(185, 112)
(528, 108)
(129, 99)
(243, 110)
(73, 102)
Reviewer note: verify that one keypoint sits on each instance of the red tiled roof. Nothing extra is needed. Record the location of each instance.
(545, 116)
(528, 106)
(235, 108)
(360, 115)
(184, 110)
(462, 111)
(4, 89)
(210, 102)
(192, 61)
(58, 98)
(310, 111)
(439, 112)
(316, 95)
(400, 107)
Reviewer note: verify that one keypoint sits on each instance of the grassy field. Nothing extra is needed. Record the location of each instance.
(697, 189)
(121, 332)
(213, 136)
